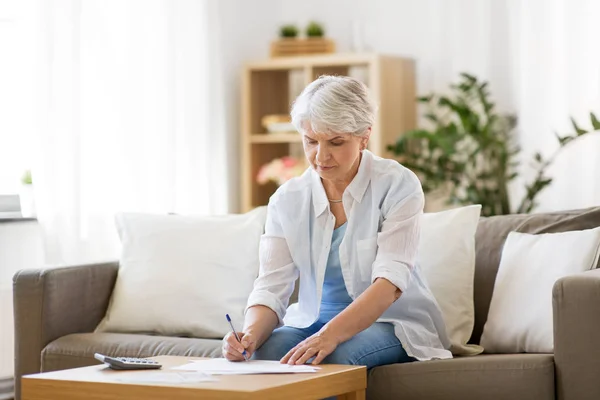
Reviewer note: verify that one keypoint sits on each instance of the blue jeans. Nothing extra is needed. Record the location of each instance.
(376, 345)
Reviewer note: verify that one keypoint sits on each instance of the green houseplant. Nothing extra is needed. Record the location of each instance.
(470, 149)
(315, 30)
(288, 31)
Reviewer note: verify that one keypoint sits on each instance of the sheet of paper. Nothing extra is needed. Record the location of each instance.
(220, 366)
(164, 377)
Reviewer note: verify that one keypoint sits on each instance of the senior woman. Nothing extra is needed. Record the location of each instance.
(349, 228)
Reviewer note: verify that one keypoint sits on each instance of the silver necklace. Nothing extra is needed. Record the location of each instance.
(334, 201)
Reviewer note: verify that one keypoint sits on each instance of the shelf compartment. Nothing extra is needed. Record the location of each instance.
(272, 92)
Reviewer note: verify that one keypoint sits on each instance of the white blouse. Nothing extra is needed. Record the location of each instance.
(383, 205)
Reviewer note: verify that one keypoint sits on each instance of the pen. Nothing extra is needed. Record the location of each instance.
(236, 335)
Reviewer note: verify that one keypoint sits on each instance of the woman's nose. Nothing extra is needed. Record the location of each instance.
(322, 154)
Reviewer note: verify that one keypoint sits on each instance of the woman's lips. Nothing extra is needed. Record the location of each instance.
(324, 168)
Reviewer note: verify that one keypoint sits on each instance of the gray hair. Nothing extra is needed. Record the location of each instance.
(334, 104)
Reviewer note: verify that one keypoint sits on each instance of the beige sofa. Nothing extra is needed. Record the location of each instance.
(57, 310)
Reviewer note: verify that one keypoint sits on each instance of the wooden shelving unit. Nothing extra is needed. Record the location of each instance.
(269, 87)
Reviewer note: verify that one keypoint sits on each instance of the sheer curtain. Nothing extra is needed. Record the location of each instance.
(576, 173)
(129, 118)
(556, 75)
(540, 60)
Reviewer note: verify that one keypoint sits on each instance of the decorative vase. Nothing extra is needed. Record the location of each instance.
(27, 201)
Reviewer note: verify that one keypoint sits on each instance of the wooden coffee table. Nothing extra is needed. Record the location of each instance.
(100, 383)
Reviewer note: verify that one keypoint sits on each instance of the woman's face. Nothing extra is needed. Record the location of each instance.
(334, 156)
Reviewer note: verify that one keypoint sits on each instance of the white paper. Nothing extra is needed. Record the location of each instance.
(164, 377)
(220, 366)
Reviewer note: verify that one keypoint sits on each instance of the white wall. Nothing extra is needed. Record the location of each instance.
(245, 32)
(15, 96)
(429, 31)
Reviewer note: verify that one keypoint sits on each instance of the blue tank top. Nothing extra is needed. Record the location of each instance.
(335, 296)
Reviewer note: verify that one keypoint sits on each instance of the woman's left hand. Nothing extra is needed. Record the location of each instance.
(319, 345)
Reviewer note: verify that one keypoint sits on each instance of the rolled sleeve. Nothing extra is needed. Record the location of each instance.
(398, 275)
(277, 273)
(267, 299)
(398, 241)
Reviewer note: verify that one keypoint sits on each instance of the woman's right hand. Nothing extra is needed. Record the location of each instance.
(232, 349)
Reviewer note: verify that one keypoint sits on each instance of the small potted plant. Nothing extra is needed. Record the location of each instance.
(288, 31)
(26, 197)
(312, 41)
(315, 30)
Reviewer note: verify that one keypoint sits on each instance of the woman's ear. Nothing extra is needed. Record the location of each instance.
(365, 140)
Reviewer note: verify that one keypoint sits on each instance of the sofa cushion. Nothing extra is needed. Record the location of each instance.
(77, 350)
(489, 240)
(520, 316)
(487, 376)
(172, 260)
(447, 259)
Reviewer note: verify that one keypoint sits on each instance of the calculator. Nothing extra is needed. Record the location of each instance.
(127, 363)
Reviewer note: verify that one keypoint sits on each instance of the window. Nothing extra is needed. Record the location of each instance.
(16, 93)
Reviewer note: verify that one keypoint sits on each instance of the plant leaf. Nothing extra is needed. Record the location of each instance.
(432, 117)
(563, 140)
(577, 128)
(470, 78)
(595, 122)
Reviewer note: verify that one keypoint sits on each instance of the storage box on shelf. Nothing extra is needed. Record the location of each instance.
(286, 47)
(269, 88)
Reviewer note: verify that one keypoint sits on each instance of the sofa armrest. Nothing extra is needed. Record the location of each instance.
(576, 304)
(53, 302)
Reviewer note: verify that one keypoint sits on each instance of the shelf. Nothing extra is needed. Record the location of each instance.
(270, 87)
(334, 59)
(283, 137)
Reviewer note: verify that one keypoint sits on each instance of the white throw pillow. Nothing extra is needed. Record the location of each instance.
(447, 259)
(180, 275)
(520, 316)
